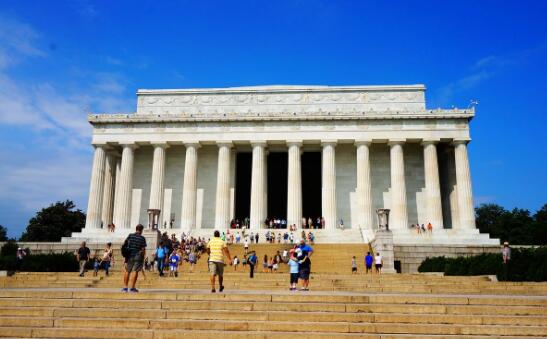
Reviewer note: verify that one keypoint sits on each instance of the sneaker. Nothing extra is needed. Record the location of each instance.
(134, 290)
(221, 289)
(125, 289)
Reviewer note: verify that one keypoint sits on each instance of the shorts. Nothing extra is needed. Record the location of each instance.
(378, 266)
(134, 264)
(172, 268)
(216, 268)
(294, 278)
(369, 267)
(304, 274)
(354, 269)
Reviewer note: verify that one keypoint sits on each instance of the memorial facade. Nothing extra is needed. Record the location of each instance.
(204, 157)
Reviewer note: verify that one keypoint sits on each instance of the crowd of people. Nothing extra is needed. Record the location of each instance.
(172, 252)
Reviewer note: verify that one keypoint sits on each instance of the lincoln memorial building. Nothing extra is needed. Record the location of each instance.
(203, 157)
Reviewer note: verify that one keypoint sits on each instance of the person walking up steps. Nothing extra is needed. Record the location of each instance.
(217, 249)
(368, 263)
(136, 245)
(252, 263)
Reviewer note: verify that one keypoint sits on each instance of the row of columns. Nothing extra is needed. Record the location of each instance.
(114, 205)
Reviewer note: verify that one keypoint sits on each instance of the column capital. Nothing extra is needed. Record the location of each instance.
(329, 142)
(294, 142)
(228, 144)
(366, 142)
(162, 144)
(430, 141)
(396, 141)
(461, 141)
(131, 145)
(262, 143)
(105, 146)
(194, 144)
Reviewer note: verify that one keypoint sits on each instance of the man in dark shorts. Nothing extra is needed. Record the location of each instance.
(137, 248)
(368, 262)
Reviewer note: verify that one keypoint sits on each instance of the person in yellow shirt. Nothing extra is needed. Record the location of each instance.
(216, 248)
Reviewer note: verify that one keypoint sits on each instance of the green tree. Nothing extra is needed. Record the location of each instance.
(54, 222)
(516, 226)
(3, 233)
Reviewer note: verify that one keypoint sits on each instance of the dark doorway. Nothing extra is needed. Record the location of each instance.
(311, 184)
(243, 185)
(277, 184)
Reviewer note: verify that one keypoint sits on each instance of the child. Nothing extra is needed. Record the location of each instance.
(293, 270)
(275, 265)
(192, 259)
(244, 261)
(236, 263)
(353, 265)
(96, 265)
(174, 261)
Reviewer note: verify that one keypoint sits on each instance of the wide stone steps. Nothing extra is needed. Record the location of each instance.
(166, 314)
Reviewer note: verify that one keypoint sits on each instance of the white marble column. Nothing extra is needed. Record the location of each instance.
(258, 185)
(189, 190)
(463, 179)
(432, 184)
(108, 191)
(96, 187)
(398, 218)
(222, 207)
(364, 195)
(122, 205)
(158, 178)
(294, 188)
(328, 193)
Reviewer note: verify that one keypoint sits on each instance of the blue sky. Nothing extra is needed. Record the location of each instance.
(59, 60)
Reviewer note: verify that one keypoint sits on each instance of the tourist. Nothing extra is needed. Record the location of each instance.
(244, 261)
(160, 256)
(265, 264)
(147, 266)
(506, 253)
(279, 238)
(304, 268)
(192, 259)
(19, 257)
(293, 272)
(174, 261)
(246, 246)
(285, 255)
(217, 249)
(252, 263)
(429, 228)
(275, 264)
(136, 244)
(96, 264)
(235, 263)
(252, 238)
(238, 238)
(270, 264)
(378, 263)
(353, 265)
(423, 228)
(368, 263)
(83, 257)
(256, 238)
(108, 258)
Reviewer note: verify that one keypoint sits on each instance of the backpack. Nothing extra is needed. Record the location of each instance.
(125, 249)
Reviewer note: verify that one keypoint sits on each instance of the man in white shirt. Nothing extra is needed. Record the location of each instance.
(378, 262)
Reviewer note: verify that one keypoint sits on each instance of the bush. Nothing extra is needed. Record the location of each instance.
(54, 262)
(525, 265)
(9, 248)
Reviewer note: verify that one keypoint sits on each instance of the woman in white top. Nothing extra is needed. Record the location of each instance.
(378, 262)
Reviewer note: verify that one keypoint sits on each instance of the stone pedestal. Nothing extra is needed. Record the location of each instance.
(152, 237)
(383, 244)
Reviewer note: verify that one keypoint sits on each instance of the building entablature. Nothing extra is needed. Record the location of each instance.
(281, 116)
